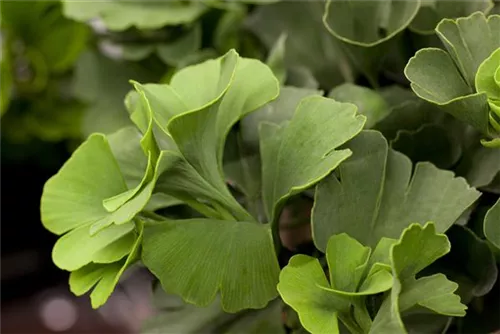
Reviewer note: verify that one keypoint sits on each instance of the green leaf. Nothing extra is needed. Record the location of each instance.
(448, 78)
(320, 302)
(177, 317)
(380, 181)
(479, 165)
(301, 21)
(369, 102)
(277, 112)
(418, 247)
(470, 41)
(103, 84)
(297, 156)
(102, 277)
(199, 121)
(174, 53)
(487, 80)
(492, 224)
(300, 287)
(73, 197)
(121, 15)
(366, 28)
(197, 258)
(276, 59)
(77, 194)
(433, 11)
(78, 248)
(470, 263)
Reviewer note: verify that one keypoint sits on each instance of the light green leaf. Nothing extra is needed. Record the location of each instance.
(298, 155)
(346, 259)
(487, 78)
(418, 247)
(320, 302)
(300, 287)
(239, 86)
(380, 181)
(470, 40)
(369, 102)
(433, 11)
(278, 112)
(78, 248)
(103, 277)
(366, 28)
(448, 78)
(308, 45)
(121, 15)
(197, 258)
(73, 197)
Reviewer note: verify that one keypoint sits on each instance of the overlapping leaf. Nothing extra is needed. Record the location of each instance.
(199, 121)
(449, 79)
(103, 277)
(321, 302)
(433, 11)
(120, 15)
(418, 247)
(366, 28)
(369, 102)
(308, 46)
(492, 224)
(379, 180)
(298, 155)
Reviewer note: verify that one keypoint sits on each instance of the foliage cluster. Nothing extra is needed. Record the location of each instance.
(338, 161)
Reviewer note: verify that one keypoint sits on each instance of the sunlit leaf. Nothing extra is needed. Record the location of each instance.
(198, 258)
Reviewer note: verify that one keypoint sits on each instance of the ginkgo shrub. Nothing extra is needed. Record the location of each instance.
(201, 185)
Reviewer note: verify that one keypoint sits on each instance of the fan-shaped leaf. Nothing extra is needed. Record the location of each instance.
(378, 180)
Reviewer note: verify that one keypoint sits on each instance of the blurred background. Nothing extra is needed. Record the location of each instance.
(64, 74)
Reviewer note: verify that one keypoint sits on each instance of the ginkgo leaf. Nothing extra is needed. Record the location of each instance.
(366, 28)
(120, 15)
(492, 224)
(320, 302)
(73, 197)
(198, 258)
(278, 112)
(78, 248)
(418, 247)
(300, 287)
(199, 121)
(301, 21)
(103, 278)
(298, 155)
(380, 181)
(448, 79)
(470, 40)
(369, 102)
(433, 11)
